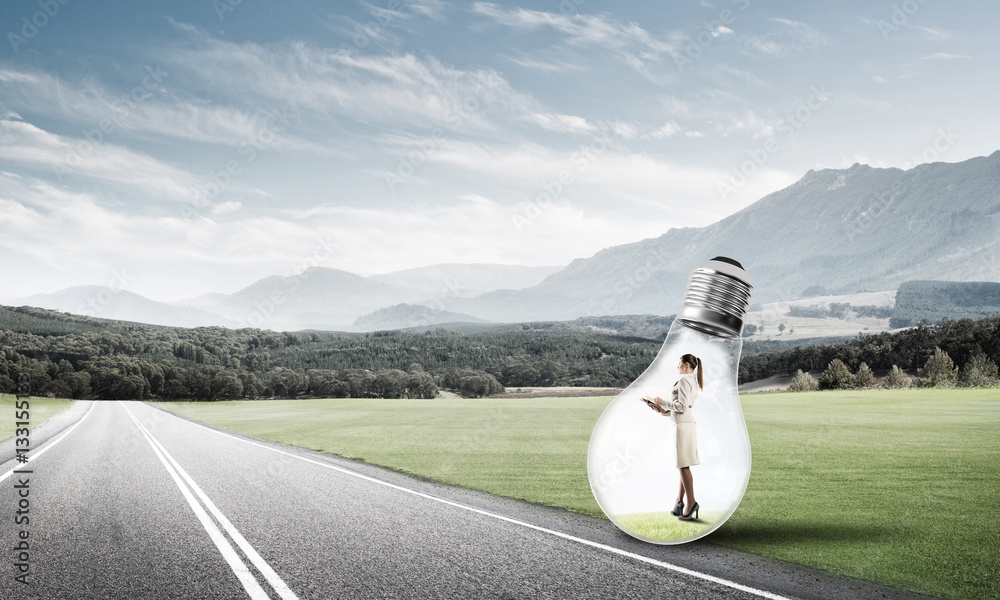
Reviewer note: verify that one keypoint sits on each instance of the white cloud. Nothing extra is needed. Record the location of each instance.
(24, 143)
(428, 8)
(68, 230)
(624, 129)
(931, 33)
(668, 129)
(803, 34)
(227, 207)
(793, 37)
(594, 173)
(724, 74)
(638, 48)
(553, 66)
(561, 123)
(393, 89)
(8, 76)
(145, 107)
(74, 233)
(766, 46)
(944, 56)
(748, 122)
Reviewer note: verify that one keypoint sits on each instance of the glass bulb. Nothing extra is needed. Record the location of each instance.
(631, 461)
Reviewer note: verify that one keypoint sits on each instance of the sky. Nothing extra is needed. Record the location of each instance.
(179, 148)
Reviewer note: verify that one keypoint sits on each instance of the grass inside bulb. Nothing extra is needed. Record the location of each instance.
(632, 459)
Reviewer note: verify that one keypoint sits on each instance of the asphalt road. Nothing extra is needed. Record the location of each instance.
(128, 501)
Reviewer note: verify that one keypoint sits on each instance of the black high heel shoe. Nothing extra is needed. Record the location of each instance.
(687, 517)
(678, 509)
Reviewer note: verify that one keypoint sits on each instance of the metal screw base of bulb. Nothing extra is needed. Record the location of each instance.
(717, 298)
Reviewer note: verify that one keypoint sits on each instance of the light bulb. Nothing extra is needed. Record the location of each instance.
(632, 459)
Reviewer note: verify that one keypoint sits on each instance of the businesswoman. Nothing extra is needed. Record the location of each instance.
(679, 407)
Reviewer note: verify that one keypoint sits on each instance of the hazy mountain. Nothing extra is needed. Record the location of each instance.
(402, 316)
(318, 298)
(453, 280)
(209, 302)
(119, 304)
(843, 229)
(324, 298)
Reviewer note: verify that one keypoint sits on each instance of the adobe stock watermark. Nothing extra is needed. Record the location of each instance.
(711, 30)
(612, 473)
(900, 15)
(943, 142)
(33, 24)
(123, 106)
(202, 196)
(484, 90)
(880, 202)
(789, 125)
(22, 484)
(224, 7)
(531, 209)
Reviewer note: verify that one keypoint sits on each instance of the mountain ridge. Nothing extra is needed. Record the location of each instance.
(849, 229)
(123, 305)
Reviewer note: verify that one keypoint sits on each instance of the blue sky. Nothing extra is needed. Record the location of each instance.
(178, 148)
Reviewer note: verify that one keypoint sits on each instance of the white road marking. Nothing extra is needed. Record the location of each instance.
(598, 545)
(240, 569)
(33, 454)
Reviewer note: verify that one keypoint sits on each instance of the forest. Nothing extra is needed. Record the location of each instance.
(82, 357)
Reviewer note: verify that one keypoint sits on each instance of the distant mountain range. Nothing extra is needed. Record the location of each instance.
(844, 230)
(111, 303)
(445, 281)
(318, 298)
(852, 229)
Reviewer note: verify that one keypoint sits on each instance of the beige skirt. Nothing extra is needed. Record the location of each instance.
(687, 445)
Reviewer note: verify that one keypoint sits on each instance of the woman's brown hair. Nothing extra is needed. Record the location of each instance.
(695, 363)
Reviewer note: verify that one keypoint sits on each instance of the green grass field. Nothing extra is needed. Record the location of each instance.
(659, 526)
(900, 487)
(40, 409)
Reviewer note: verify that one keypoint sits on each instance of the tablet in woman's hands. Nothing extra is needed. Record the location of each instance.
(652, 403)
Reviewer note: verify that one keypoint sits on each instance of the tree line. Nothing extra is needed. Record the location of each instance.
(83, 357)
(938, 371)
(965, 342)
